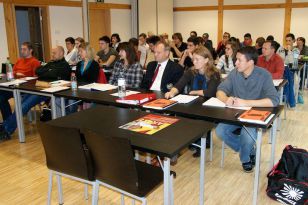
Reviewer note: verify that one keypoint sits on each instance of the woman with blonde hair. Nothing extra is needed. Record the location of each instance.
(202, 79)
(87, 69)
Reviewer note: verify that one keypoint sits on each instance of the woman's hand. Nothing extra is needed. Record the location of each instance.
(196, 92)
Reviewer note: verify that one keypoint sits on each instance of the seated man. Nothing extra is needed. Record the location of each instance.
(248, 85)
(271, 61)
(162, 74)
(56, 69)
(143, 48)
(24, 67)
(107, 56)
(151, 41)
(186, 59)
(177, 45)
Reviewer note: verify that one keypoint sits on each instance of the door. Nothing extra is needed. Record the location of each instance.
(29, 28)
(99, 20)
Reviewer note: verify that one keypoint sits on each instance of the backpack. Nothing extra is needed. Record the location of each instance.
(288, 180)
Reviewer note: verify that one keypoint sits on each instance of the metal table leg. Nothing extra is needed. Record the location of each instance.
(63, 107)
(202, 169)
(167, 198)
(273, 136)
(19, 118)
(53, 107)
(257, 168)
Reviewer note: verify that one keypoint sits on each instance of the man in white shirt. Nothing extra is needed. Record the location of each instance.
(143, 48)
(72, 53)
(162, 74)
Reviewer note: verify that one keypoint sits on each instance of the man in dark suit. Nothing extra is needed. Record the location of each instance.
(162, 74)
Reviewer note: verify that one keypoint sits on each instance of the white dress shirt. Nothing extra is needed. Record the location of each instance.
(143, 49)
(157, 82)
(72, 57)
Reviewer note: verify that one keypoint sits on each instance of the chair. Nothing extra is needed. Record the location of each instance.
(66, 155)
(101, 77)
(116, 168)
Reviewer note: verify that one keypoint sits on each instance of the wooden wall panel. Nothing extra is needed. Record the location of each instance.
(287, 19)
(220, 20)
(46, 33)
(11, 31)
(99, 21)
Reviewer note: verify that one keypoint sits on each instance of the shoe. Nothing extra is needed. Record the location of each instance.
(4, 135)
(197, 153)
(248, 167)
(253, 159)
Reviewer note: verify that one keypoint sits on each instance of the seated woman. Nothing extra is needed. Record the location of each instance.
(128, 67)
(226, 62)
(202, 79)
(87, 71)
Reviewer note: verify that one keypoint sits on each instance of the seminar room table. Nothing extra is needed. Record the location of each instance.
(29, 88)
(196, 110)
(17, 104)
(166, 143)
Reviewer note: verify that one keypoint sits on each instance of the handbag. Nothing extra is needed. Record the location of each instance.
(288, 180)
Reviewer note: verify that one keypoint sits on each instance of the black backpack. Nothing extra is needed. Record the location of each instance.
(288, 180)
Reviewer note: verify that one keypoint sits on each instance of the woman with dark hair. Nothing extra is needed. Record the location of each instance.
(71, 55)
(226, 62)
(128, 67)
(115, 40)
(301, 45)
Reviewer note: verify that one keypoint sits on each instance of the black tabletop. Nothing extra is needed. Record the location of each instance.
(30, 86)
(193, 110)
(106, 120)
(196, 110)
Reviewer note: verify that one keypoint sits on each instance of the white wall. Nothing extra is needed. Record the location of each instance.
(65, 22)
(259, 22)
(184, 3)
(147, 16)
(165, 17)
(3, 38)
(200, 21)
(299, 23)
(245, 2)
(121, 23)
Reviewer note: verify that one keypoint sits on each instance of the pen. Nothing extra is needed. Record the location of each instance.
(236, 114)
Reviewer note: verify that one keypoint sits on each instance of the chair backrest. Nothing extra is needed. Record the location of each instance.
(101, 77)
(113, 160)
(66, 152)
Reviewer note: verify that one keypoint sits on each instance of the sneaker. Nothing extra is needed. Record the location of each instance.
(253, 159)
(248, 167)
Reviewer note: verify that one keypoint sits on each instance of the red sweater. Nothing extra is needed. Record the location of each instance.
(274, 65)
(26, 66)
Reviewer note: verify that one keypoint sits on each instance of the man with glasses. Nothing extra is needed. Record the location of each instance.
(222, 44)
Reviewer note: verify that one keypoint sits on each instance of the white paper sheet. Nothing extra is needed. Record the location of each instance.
(98, 86)
(215, 102)
(55, 89)
(128, 92)
(14, 82)
(184, 98)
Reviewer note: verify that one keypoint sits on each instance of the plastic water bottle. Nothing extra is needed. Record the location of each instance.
(9, 70)
(295, 57)
(74, 82)
(121, 86)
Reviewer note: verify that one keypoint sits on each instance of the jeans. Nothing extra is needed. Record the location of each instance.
(4, 104)
(73, 106)
(242, 143)
(28, 101)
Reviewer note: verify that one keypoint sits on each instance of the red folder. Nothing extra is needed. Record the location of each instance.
(137, 99)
